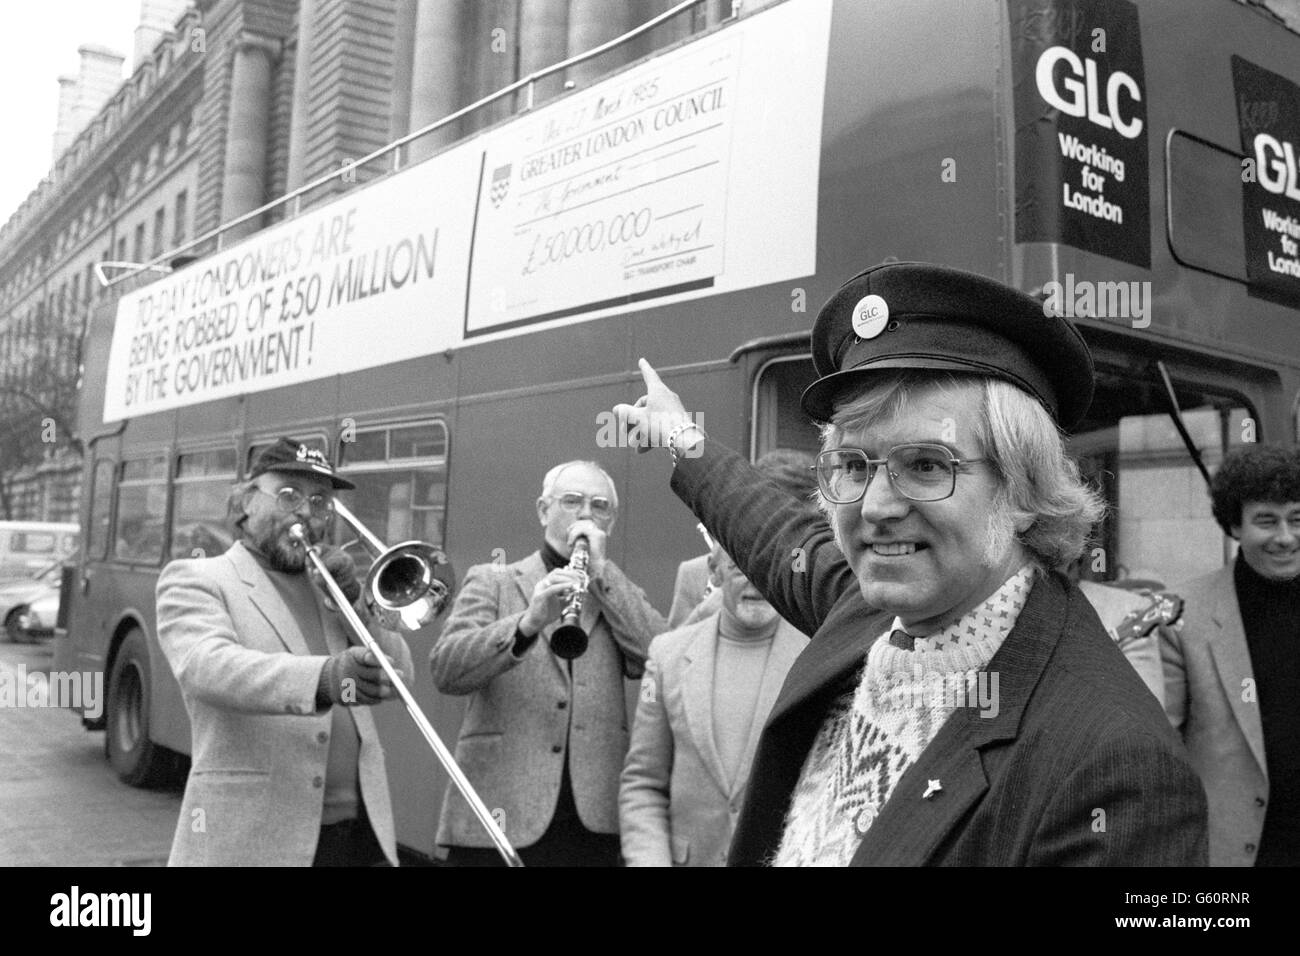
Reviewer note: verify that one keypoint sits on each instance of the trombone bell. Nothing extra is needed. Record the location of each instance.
(408, 586)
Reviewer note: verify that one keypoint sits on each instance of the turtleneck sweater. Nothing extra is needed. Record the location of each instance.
(740, 661)
(1270, 616)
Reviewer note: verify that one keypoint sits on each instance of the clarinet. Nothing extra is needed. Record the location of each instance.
(569, 640)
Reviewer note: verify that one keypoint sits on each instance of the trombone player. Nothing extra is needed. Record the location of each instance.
(544, 737)
(287, 765)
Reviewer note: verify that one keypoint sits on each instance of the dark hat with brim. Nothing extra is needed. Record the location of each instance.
(914, 315)
(291, 457)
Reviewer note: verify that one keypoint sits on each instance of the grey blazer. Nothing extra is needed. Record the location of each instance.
(256, 785)
(689, 589)
(676, 805)
(1210, 698)
(521, 710)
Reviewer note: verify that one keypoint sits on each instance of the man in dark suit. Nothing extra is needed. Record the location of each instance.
(544, 738)
(960, 702)
(1232, 674)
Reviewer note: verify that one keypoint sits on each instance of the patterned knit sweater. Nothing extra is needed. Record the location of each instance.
(873, 735)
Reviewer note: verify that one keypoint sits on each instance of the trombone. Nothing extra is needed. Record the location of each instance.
(404, 590)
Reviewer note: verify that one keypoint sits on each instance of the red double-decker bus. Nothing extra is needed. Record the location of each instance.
(450, 330)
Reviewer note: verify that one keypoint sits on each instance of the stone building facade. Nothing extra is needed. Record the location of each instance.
(239, 102)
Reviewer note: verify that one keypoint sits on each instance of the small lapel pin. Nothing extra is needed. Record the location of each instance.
(932, 787)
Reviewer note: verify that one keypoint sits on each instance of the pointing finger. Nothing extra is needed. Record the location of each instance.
(650, 376)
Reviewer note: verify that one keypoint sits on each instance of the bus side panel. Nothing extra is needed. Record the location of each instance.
(909, 166)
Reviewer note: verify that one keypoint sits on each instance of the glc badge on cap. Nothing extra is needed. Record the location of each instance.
(870, 316)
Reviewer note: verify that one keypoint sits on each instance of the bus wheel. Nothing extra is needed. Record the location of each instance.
(136, 759)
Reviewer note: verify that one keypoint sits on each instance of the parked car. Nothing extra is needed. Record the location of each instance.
(27, 547)
(19, 596)
(37, 622)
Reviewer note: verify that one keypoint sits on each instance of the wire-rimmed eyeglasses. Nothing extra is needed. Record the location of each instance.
(572, 501)
(918, 471)
(290, 499)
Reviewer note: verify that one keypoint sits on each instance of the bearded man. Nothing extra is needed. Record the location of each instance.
(287, 765)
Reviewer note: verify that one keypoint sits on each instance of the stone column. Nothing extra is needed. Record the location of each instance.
(544, 33)
(591, 23)
(297, 171)
(436, 70)
(404, 27)
(243, 186)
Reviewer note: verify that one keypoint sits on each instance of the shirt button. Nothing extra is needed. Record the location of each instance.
(562, 704)
(864, 821)
(322, 737)
(556, 748)
(1250, 848)
(1259, 801)
(318, 782)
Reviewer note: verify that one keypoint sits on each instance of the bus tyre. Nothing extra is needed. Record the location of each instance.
(136, 759)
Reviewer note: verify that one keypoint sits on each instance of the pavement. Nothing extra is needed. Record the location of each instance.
(60, 803)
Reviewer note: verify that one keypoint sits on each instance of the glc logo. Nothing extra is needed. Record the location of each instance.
(870, 316)
(1279, 171)
(1084, 99)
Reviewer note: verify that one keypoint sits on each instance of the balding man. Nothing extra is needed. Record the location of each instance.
(544, 737)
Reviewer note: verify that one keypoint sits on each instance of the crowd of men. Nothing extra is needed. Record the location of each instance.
(926, 684)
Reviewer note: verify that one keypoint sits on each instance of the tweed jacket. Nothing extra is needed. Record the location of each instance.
(689, 589)
(676, 805)
(1078, 766)
(256, 786)
(522, 711)
(1209, 700)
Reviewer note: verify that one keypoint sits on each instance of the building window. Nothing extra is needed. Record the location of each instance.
(139, 243)
(178, 226)
(159, 220)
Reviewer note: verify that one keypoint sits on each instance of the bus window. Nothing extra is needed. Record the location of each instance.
(778, 421)
(1158, 530)
(141, 510)
(317, 442)
(1205, 206)
(204, 480)
(101, 500)
(401, 476)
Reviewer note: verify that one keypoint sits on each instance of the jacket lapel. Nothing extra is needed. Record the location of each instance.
(268, 604)
(1232, 659)
(830, 662)
(786, 646)
(697, 696)
(912, 825)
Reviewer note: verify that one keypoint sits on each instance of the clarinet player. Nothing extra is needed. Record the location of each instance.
(544, 738)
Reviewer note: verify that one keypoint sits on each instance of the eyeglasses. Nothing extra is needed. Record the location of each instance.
(919, 472)
(291, 499)
(572, 502)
